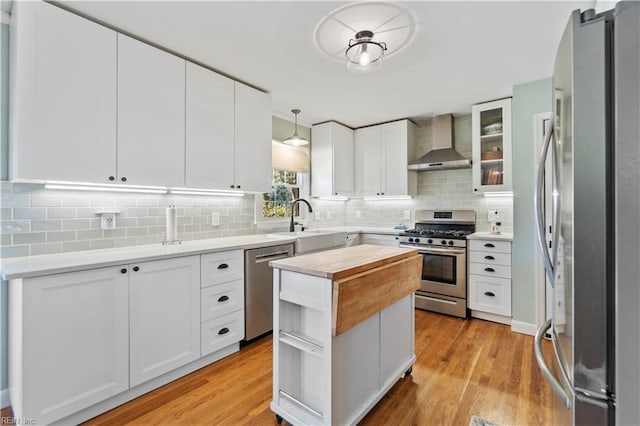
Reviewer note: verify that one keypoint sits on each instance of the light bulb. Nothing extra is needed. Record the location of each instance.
(364, 59)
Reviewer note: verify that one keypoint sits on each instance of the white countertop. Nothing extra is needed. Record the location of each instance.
(33, 266)
(503, 236)
(363, 229)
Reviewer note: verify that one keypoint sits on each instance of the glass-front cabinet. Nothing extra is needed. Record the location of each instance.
(491, 145)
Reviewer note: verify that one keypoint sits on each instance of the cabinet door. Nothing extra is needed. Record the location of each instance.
(368, 161)
(394, 159)
(165, 316)
(396, 338)
(322, 183)
(253, 140)
(151, 110)
(63, 96)
(491, 146)
(210, 137)
(75, 342)
(342, 160)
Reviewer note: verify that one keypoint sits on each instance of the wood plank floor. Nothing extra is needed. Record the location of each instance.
(464, 368)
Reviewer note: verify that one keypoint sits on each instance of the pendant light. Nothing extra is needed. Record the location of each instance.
(364, 54)
(296, 140)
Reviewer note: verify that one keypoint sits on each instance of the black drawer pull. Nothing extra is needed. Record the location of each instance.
(123, 270)
(489, 245)
(490, 258)
(223, 331)
(489, 270)
(489, 293)
(223, 298)
(223, 266)
(136, 269)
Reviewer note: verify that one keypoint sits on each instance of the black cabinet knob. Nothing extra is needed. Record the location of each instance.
(382, 193)
(112, 178)
(233, 186)
(223, 266)
(489, 269)
(224, 330)
(490, 258)
(123, 270)
(124, 179)
(136, 269)
(475, 189)
(238, 187)
(489, 245)
(223, 298)
(489, 293)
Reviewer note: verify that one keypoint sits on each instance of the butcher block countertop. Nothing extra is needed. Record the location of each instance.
(344, 262)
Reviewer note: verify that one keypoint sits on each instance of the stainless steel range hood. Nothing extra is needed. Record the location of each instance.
(443, 155)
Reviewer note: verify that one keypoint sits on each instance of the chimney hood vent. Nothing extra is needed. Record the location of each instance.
(443, 155)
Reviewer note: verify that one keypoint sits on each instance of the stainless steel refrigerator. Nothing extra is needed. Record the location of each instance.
(594, 259)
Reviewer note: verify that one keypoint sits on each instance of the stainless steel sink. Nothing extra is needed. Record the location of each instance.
(312, 241)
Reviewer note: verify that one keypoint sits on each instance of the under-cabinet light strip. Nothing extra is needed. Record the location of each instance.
(335, 198)
(389, 198)
(217, 194)
(499, 194)
(104, 188)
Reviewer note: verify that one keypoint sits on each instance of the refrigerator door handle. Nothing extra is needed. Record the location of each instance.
(546, 371)
(539, 207)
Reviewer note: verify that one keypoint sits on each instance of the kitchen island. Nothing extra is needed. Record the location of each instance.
(343, 331)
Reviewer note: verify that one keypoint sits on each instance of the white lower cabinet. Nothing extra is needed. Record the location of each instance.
(379, 239)
(165, 316)
(490, 279)
(77, 339)
(68, 343)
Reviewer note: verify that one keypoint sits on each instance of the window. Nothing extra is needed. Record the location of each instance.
(275, 205)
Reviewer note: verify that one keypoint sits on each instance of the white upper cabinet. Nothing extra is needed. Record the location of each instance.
(491, 146)
(253, 140)
(151, 115)
(210, 129)
(63, 96)
(332, 159)
(382, 154)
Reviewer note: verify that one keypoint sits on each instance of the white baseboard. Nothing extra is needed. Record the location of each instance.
(491, 317)
(4, 398)
(523, 327)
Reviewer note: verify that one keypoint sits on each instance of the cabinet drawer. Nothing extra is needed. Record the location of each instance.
(220, 332)
(490, 294)
(222, 267)
(490, 246)
(221, 299)
(490, 258)
(490, 270)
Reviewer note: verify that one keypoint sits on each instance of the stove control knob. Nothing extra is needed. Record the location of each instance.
(417, 240)
(430, 241)
(410, 240)
(443, 242)
(450, 242)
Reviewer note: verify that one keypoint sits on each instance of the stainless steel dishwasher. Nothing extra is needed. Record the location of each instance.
(258, 288)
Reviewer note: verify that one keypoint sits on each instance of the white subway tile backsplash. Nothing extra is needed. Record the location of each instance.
(46, 225)
(48, 248)
(75, 201)
(147, 221)
(76, 246)
(57, 236)
(14, 251)
(134, 232)
(5, 239)
(102, 244)
(13, 226)
(61, 213)
(126, 242)
(12, 200)
(29, 237)
(89, 234)
(114, 233)
(45, 201)
(6, 213)
(71, 224)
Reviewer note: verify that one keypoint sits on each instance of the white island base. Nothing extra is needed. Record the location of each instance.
(322, 375)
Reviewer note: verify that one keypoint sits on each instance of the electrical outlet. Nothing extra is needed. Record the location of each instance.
(358, 214)
(494, 216)
(108, 221)
(318, 215)
(328, 214)
(215, 219)
(407, 214)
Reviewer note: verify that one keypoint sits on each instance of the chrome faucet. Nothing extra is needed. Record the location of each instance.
(293, 203)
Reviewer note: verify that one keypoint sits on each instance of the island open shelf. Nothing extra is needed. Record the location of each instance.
(343, 331)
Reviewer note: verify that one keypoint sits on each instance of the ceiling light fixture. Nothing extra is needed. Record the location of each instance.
(364, 54)
(296, 140)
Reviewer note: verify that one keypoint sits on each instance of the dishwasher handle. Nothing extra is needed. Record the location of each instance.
(267, 257)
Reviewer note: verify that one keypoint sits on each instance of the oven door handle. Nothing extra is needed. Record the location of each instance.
(437, 250)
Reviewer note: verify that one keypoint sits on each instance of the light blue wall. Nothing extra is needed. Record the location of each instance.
(528, 99)
(4, 136)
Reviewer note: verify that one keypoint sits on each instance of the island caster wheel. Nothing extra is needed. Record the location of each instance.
(408, 372)
(278, 419)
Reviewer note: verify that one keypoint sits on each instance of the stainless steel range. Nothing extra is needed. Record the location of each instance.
(441, 238)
